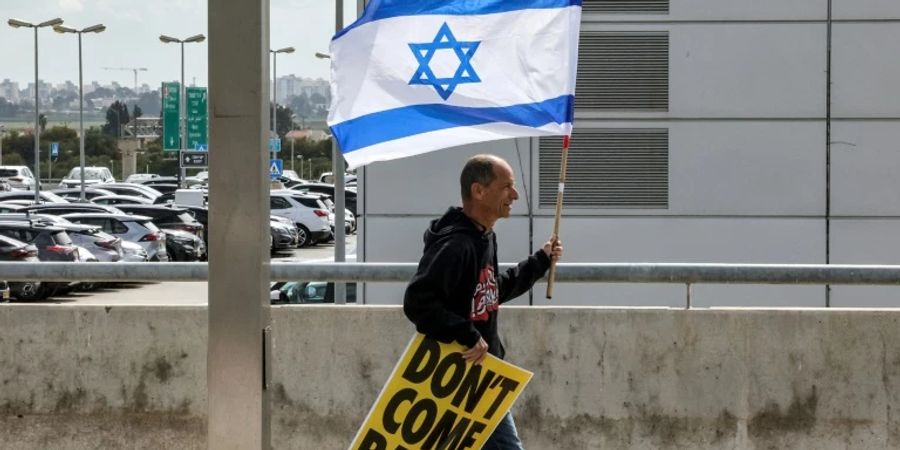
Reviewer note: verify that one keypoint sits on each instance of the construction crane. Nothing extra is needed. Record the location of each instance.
(133, 69)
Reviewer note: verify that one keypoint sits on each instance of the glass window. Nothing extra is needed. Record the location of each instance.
(62, 238)
(279, 203)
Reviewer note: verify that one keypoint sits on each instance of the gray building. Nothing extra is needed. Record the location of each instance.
(706, 131)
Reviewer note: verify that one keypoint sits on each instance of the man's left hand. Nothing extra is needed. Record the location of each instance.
(553, 248)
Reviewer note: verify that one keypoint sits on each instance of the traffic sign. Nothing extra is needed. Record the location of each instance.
(202, 147)
(197, 115)
(276, 168)
(194, 159)
(171, 116)
(54, 150)
(274, 145)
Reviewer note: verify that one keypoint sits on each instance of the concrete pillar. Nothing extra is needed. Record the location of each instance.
(239, 225)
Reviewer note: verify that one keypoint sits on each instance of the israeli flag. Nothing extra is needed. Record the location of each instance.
(414, 76)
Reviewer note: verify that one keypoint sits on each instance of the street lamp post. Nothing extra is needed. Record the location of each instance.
(99, 28)
(181, 112)
(15, 23)
(274, 89)
(337, 169)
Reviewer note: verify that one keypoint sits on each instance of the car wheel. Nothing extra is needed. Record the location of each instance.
(303, 238)
(27, 291)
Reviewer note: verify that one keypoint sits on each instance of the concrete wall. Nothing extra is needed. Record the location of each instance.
(135, 377)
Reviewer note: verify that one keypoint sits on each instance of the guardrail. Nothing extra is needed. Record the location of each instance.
(687, 274)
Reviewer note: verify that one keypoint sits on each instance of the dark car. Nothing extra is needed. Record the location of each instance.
(322, 188)
(184, 246)
(165, 188)
(167, 217)
(15, 250)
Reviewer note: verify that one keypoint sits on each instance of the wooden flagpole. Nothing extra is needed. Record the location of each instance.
(559, 201)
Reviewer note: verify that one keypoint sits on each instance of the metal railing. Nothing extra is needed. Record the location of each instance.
(687, 274)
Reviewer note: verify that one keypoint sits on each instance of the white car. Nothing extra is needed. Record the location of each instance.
(18, 177)
(139, 177)
(308, 213)
(92, 176)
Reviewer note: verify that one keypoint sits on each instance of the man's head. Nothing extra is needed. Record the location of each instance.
(488, 188)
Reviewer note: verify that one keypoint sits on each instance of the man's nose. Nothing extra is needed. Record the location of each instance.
(515, 194)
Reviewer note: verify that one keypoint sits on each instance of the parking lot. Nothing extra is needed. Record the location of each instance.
(179, 293)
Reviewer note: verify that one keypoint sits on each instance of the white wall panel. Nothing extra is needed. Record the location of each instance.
(865, 9)
(429, 183)
(747, 168)
(865, 168)
(733, 168)
(700, 240)
(865, 241)
(747, 70)
(739, 70)
(744, 10)
(866, 70)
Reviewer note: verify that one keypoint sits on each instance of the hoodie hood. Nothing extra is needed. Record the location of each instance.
(453, 221)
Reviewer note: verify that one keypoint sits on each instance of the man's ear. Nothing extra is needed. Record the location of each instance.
(476, 190)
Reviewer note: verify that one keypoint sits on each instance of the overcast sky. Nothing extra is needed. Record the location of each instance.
(132, 39)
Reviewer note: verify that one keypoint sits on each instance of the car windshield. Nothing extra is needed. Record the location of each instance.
(89, 173)
(8, 172)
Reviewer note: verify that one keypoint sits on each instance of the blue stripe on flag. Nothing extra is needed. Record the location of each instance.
(383, 126)
(385, 9)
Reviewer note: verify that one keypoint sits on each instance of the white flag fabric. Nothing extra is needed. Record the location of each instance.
(414, 76)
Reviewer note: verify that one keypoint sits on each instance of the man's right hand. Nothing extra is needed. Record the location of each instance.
(477, 353)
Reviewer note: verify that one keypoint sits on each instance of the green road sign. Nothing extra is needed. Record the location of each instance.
(170, 113)
(197, 116)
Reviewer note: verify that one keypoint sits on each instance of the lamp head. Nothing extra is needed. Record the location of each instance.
(196, 38)
(168, 39)
(15, 23)
(62, 29)
(99, 28)
(50, 23)
(321, 55)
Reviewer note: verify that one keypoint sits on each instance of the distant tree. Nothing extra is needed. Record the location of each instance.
(42, 121)
(116, 117)
(300, 104)
(136, 111)
(8, 108)
(150, 103)
(285, 120)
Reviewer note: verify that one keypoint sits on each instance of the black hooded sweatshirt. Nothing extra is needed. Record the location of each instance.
(458, 288)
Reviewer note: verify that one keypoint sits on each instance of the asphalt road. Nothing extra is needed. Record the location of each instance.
(180, 293)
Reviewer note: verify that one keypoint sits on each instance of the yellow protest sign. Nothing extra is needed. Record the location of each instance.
(436, 400)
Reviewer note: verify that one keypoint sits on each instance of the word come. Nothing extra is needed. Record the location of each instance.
(434, 400)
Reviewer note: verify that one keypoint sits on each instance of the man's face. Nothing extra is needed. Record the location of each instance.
(499, 196)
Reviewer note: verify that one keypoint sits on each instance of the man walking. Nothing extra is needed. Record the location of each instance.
(457, 290)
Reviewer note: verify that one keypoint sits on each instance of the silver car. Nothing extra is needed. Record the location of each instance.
(137, 229)
(19, 177)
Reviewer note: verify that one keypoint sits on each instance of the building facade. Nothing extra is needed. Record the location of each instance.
(719, 131)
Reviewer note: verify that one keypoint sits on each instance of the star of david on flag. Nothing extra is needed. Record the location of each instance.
(444, 40)
(414, 76)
